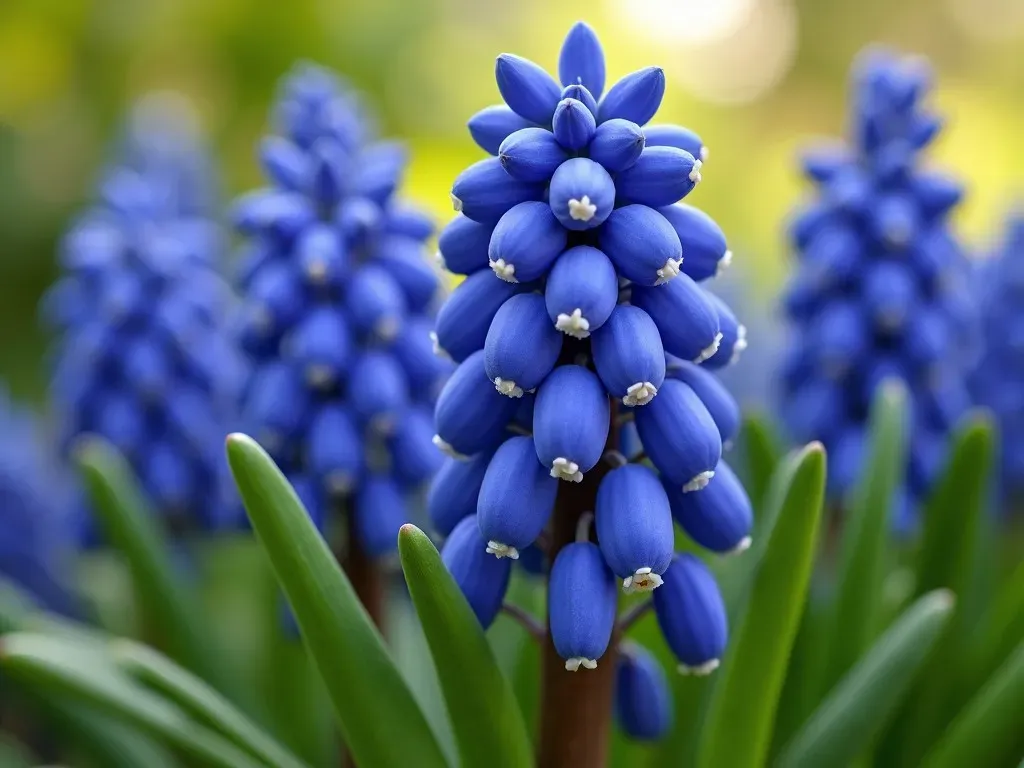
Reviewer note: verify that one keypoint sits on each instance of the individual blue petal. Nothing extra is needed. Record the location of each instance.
(628, 355)
(402, 258)
(492, 125)
(691, 615)
(530, 91)
(582, 94)
(734, 336)
(642, 245)
(454, 490)
(119, 419)
(525, 243)
(462, 245)
(573, 124)
(617, 144)
(378, 390)
(322, 256)
(168, 476)
(334, 449)
(320, 346)
(685, 316)
(581, 60)
(720, 517)
(660, 176)
(380, 510)
(414, 459)
(895, 220)
(378, 171)
(286, 164)
(375, 302)
(358, 219)
(408, 221)
(279, 214)
(482, 578)
(643, 700)
(309, 492)
(581, 605)
(680, 437)
(636, 97)
(814, 410)
(534, 561)
(571, 422)
(522, 346)
(936, 193)
(471, 414)
(276, 404)
(890, 293)
(581, 194)
(705, 253)
(581, 291)
(464, 319)
(833, 256)
(926, 337)
(531, 155)
(823, 163)
(414, 350)
(678, 137)
(516, 498)
(846, 458)
(634, 526)
(483, 192)
(713, 393)
(275, 300)
(841, 337)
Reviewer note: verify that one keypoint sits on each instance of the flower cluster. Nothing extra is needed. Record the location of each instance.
(998, 380)
(144, 358)
(879, 288)
(337, 313)
(582, 310)
(36, 533)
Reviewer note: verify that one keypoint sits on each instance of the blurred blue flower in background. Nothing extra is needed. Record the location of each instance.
(582, 309)
(144, 357)
(880, 288)
(998, 380)
(337, 315)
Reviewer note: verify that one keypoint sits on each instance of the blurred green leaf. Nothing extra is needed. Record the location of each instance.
(381, 722)
(65, 666)
(746, 696)
(12, 753)
(761, 455)
(200, 701)
(988, 729)
(854, 712)
(1000, 627)
(172, 613)
(109, 742)
(866, 526)
(481, 705)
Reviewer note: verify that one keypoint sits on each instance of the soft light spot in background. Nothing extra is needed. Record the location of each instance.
(988, 19)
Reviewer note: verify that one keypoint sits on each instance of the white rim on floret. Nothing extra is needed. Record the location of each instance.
(700, 482)
(504, 270)
(642, 580)
(339, 481)
(500, 550)
(319, 375)
(742, 546)
(456, 203)
(582, 209)
(740, 345)
(701, 669)
(704, 153)
(709, 350)
(316, 270)
(566, 470)
(438, 349)
(695, 176)
(573, 664)
(508, 387)
(439, 259)
(640, 393)
(446, 448)
(723, 263)
(387, 328)
(575, 324)
(669, 270)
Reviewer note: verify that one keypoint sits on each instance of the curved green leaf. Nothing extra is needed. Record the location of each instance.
(988, 728)
(382, 725)
(853, 713)
(737, 730)
(60, 664)
(761, 455)
(201, 701)
(109, 742)
(1000, 627)
(485, 716)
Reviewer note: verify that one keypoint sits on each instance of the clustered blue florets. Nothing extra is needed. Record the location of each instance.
(144, 358)
(338, 312)
(998, 380)
(582, 303)
(878, 292)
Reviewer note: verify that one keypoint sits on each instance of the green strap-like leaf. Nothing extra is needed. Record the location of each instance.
(382, 725)
(866, 527)
(110, 743)
(62, 665)
(989, 728)
(485, 717)
(737, 730)
(855, 711)
(1000, 627)
(761, 455)
(201, 701)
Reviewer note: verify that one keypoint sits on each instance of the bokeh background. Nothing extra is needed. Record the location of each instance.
(756, 78)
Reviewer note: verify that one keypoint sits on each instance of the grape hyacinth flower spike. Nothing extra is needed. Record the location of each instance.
(338, 312)
(879, 291)
(583, 418)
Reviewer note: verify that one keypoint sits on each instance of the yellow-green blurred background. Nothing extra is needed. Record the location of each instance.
(757, 79)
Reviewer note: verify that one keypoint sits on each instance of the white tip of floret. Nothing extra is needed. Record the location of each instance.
(500, 550)
(438, 349)
(446, 448)
(695, 172)
(566, 470)
(339, 482)
(582, 209)
(701, 669)
(643, 580)
(319, 376)
(506, 272)
(387, 328)
(316, 271)
(640, 393)
(740, 345)
(575, 325)
(508, 387)
(710, 350)
(742, 546)
(669, 270)
(700, 482)
(439, 259)
(723, 263)
(704, 154)
(456, 203)
(571, 665)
